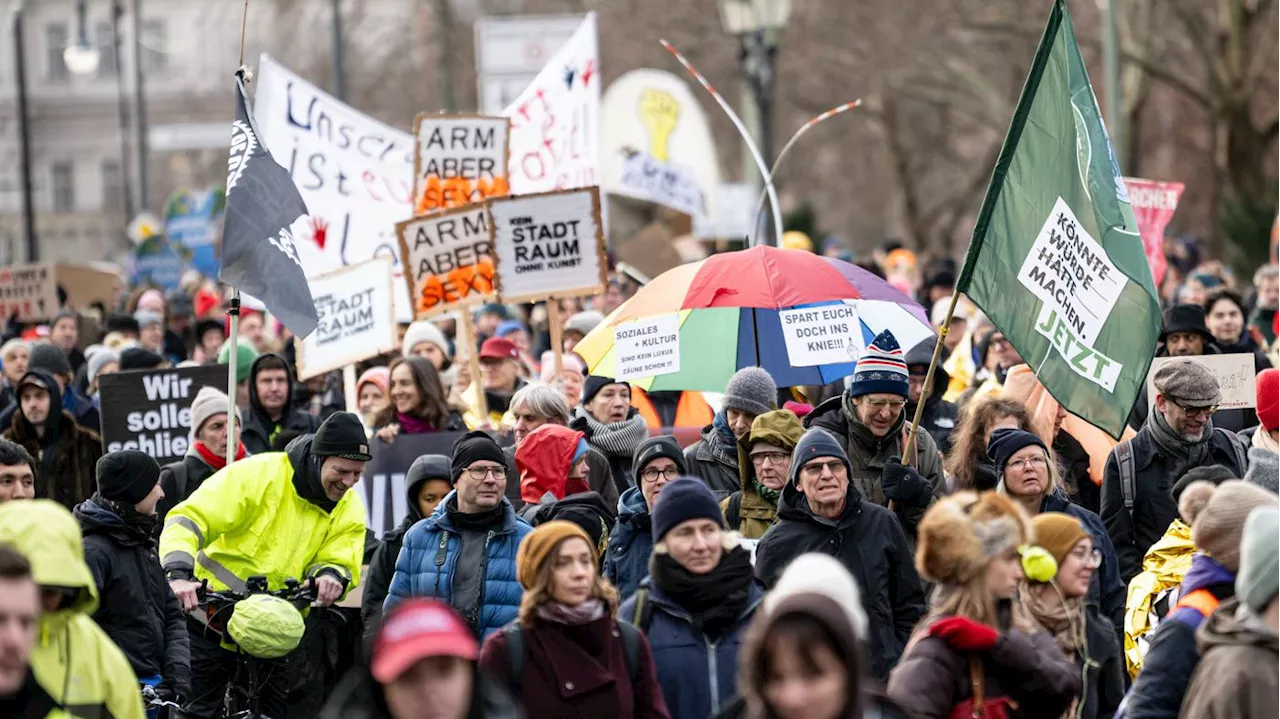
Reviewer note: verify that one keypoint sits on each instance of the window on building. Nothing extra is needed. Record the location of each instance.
(64, 191)
(154, 46)
(56, 38)
(112, 187)
(104, 38)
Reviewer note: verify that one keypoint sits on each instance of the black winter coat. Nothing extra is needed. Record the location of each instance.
(1153, 505)
(136, 607)
(721, 475)
(197, 472)
(65, 464)
(871, 544)
(1104, 673)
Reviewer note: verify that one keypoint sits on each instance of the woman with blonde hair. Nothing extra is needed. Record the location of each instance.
(966, 464)
(566, 654)
(978, 652)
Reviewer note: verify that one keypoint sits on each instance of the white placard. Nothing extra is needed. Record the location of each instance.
(548, 245)
(357, 318)
(1236, 375)
(458, 160)
(647, 347)
(828, 334)
(646, 178)
(447, 259)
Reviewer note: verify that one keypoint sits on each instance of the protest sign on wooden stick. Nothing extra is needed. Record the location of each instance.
(458, 160)
(548, 245)
(356, 307)
(447, 259)
(29, 291)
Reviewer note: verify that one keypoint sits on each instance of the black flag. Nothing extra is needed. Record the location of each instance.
(263, 211)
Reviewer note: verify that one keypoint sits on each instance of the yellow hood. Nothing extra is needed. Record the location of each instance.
(49, 537)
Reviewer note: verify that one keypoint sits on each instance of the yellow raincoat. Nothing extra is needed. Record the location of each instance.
(74, 661)
(1163, 568)
(247, 519)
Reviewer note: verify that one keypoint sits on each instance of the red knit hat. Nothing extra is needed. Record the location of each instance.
(1269, 399)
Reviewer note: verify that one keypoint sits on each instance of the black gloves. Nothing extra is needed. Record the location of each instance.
(904, 485)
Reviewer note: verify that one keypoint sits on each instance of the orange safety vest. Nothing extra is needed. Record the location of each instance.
(691, 411)
(1201, 600)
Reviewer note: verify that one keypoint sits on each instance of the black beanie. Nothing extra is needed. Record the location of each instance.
(139, 358)
(594, 384)
(341, 435)
(654, 448)
(127, 476)
(473, 447)
(1006, 441)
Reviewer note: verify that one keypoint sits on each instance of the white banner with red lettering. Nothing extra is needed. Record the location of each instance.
(1153, 205)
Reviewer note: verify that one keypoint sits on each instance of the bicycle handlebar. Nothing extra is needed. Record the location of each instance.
(152, 700)
(293, 591)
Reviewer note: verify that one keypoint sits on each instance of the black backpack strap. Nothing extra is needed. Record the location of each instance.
(631, 651)
(1237, 448)
(1125, 463)
(179, 470)
(515, 655)
(733, 511)
(643, 614)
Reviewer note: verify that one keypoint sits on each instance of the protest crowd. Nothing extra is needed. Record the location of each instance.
(773, 484)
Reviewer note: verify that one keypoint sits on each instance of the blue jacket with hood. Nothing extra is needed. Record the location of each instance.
(626, 561)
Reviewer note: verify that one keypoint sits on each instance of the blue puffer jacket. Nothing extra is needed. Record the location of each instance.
(698, 678)
(626, 561)
(1106, 591)
(430, 554)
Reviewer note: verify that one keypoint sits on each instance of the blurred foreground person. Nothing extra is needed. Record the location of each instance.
(20, 694)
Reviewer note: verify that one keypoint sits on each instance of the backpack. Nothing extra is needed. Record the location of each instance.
(642, 617)
(516, 654)
(179, 470)
(1128, 471)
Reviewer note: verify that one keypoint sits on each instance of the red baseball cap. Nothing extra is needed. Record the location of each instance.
(499, 348)
(415, 630)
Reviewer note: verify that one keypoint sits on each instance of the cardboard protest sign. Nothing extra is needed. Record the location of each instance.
(354, 173)
(86, 285)
(829, 334)
(458, 160)
(1236, 375)
(447, 259)
(647, 347)
(150, 410)
(30, 291)
(1153, 206)
(548, 245)
(357, 318)
(555, 123)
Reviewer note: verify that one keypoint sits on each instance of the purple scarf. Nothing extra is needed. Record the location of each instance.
(413, 425)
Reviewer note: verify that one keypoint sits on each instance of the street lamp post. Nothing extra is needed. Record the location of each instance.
(24, 119)
(758, 24)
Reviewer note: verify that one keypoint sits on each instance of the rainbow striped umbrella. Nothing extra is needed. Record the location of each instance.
(730, 309)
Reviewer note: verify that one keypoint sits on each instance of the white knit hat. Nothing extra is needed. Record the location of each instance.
(209, 402)
(815, 573)
(424, 331)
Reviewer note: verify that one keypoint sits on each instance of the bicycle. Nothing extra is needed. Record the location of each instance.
(247, 682)
(156, 706)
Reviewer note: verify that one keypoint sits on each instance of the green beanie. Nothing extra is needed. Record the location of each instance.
(245, 355)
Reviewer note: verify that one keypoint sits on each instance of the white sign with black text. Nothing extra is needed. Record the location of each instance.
(548, 245)
(828, 334)
(356, 307)
(1236, 373)
(647, 347)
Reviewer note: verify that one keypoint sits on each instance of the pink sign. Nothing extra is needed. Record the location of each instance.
(1153, 206)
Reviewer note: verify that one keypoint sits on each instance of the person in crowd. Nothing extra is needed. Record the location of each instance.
(1224, 315)
(465, 552)
(764, 461)
(1238, 672)
(20, 694)
(140, 358)
(428, 481)
(64, 333)
(1264, 440)
(821, 510)
(101, 363)
(233, 527)
(714, 458)
(612, 426)
(518, 334)
(1266, 299)
(211, 334)
(246, 356)
(123, 326)
(14, 355)
(552, 462)
(1054, 594)
(869, 421)
(1048, 418)
(499, 380)
(51, 360)
(804, 654)
(418, 403)
(573, 373)
(253, 328)
(75, 664)
(996, 356)
(179, 335)
(17, 472)
(535, 405)
(206, 451)
(978, 652)
(424, 339)
(319, 396)
(567, 654)
(271, 407)
(659, 461)
(67, 452)
(672, 408)
(423, 662)
(696, 603)
(136, 607)
(939, 416)
(373, 393)
(577, 326)
(488, 317)
(1217, 517)
(1179, 435)
(150, 330)
(1029, 475)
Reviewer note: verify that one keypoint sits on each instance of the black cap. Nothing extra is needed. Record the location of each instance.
(127, 476)
(343, 436)
(139, 358)
(473, 447)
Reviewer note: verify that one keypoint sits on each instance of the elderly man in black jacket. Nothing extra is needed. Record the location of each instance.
(821, 511)
(136, 608)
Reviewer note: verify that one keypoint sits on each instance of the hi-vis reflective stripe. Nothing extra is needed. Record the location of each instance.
(222, 574)
(312, 572)
(188, 524)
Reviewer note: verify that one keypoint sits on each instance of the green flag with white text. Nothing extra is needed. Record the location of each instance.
(1056, 260)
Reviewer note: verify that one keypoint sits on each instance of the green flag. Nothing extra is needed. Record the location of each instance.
(1056, 261)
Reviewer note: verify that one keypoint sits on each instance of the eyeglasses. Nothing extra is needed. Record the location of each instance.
(879, 404)
(1092, 559)
(479, 473)
(1020, 464)
(813, 470)
(1194, 411)
(651, 474)
(763, 458)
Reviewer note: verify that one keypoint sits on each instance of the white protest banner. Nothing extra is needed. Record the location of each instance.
(458, 160)
(555, 123)
(548, 245)
(647, 347)
(447, 259)
(829, 334)
(354, 172)
(1153, 206)
(1236, 375)
(647, 178)
(357, 318)
(30, 291)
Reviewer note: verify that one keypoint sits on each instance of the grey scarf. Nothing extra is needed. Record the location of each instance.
(1186, 454)
(618, 439)
(559, 613)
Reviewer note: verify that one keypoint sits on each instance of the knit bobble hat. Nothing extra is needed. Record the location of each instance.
(818, 573)
(208, 403)
(127, 476)
(962, 533)
(424, 331)
(1268, 386)
(100, 360)
(1258, 580)
(1058, 533)
(682, 500)
(751, 390)
(538, 545)
(1217, 514)
(882, 369)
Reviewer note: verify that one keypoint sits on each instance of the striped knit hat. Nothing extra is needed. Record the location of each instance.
(881, 369)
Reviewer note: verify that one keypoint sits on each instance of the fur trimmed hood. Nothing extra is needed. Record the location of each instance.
(961, 534)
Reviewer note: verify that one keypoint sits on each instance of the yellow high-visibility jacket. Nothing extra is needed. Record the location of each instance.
(247, 519)
(1163, 568)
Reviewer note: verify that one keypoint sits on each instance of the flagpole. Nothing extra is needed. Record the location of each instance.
(928, 377)
(234, 344)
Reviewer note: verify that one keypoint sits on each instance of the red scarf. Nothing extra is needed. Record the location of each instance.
(216, 461)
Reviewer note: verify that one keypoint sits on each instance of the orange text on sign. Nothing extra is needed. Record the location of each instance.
(456, 285)
(438, 194)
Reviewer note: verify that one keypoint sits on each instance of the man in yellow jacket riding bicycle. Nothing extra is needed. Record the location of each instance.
(282, 515)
